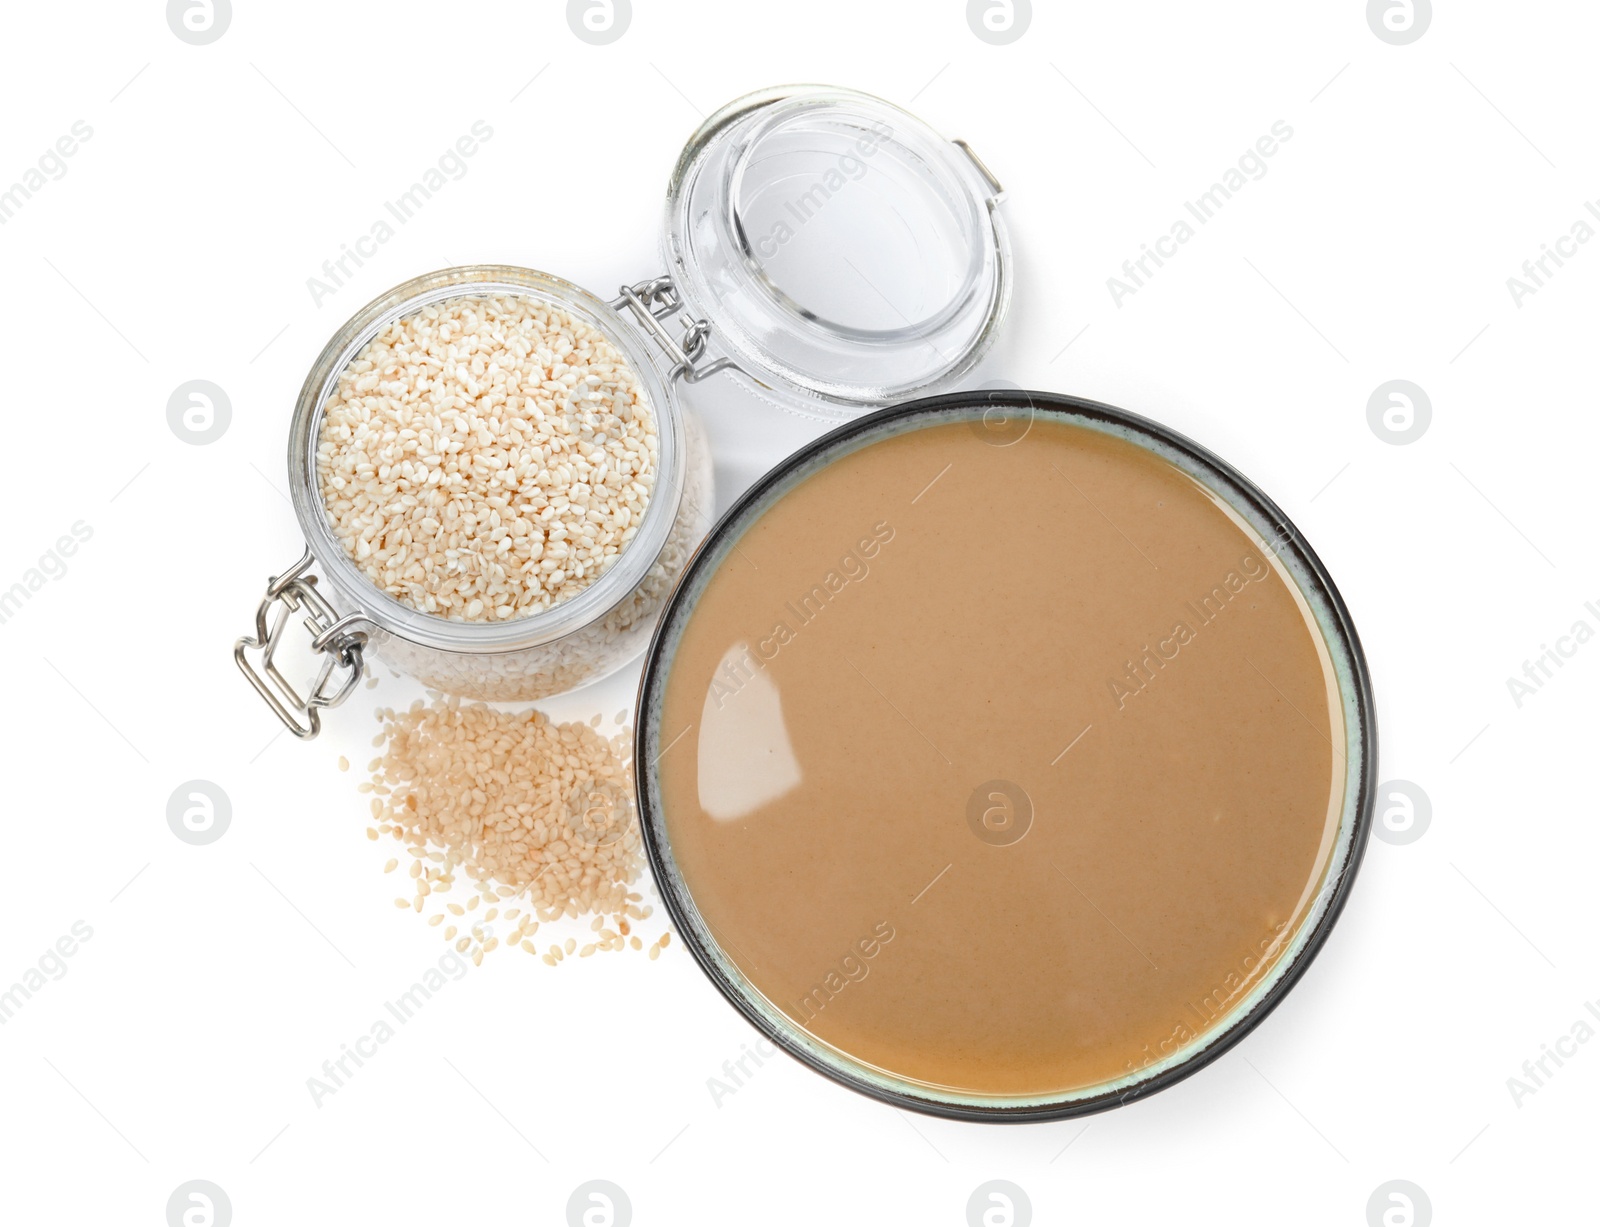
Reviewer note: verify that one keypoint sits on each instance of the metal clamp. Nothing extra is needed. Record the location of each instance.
(335, 639)
(997, 191)
(655, 300)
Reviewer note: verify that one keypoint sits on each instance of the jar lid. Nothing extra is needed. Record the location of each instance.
(844, 254)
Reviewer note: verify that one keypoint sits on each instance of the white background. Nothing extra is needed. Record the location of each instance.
(177, 246)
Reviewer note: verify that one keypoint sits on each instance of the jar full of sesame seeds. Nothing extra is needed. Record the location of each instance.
(497, 477)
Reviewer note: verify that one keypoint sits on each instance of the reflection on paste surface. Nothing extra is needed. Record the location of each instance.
(746, 757)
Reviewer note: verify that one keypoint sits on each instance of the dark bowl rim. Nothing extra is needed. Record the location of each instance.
(1343, 873)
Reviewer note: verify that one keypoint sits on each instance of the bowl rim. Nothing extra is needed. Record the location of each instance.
(1339, 874)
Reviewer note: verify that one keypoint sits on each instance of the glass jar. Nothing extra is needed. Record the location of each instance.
(824, 248)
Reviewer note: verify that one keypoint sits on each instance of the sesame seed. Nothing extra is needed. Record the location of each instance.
(486, 458)
(530, 809)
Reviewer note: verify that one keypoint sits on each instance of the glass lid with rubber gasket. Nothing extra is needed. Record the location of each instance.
(844, 254)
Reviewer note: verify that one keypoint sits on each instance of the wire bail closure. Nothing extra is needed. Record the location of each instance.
(335, 639)
(655, 300)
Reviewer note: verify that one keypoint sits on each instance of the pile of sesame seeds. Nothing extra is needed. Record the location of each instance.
(534, 819)
(485, 458)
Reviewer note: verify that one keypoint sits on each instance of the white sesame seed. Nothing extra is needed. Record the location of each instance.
(486, 458)
(513, 798)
